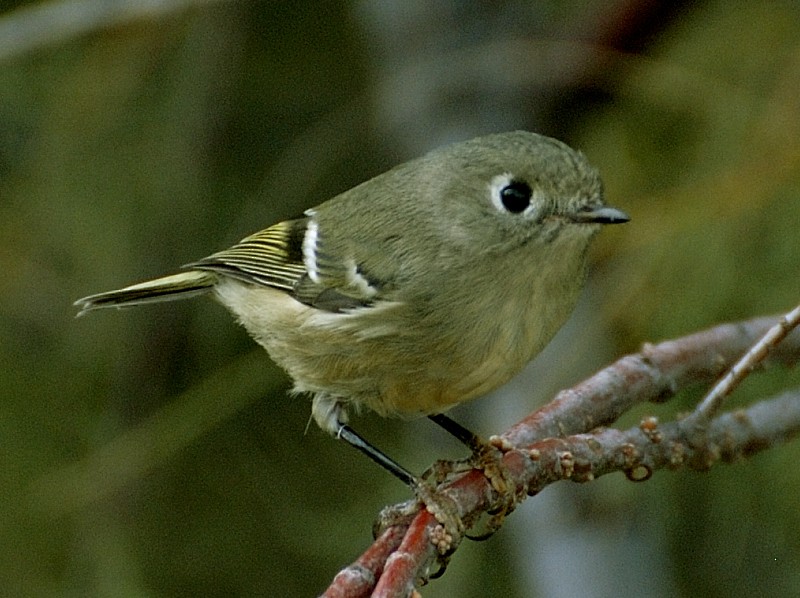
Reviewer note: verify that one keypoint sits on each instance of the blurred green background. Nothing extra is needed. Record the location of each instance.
(155, 452)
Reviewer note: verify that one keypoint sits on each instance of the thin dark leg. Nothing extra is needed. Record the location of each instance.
(352, 438)
(468, 438)
(488, 459)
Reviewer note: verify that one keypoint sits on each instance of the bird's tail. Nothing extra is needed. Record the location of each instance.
(168, 288)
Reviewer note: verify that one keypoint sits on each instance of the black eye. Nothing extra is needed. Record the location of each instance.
(516, 196)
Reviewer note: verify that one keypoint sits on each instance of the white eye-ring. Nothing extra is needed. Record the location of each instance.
(511, 195)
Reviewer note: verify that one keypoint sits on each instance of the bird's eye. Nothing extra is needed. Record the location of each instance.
(516, 196)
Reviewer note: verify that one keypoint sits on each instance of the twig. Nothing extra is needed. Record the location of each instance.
(654, 375)
(712, 402)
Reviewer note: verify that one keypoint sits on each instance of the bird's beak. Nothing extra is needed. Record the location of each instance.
(604, 215)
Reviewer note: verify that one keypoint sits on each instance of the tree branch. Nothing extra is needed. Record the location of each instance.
(565, 440)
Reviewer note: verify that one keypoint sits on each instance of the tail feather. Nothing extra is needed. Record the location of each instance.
(168, 288)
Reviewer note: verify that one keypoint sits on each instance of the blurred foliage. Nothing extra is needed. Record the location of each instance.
(155, 452)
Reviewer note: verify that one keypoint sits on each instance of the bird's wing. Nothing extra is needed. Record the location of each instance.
(291, 256)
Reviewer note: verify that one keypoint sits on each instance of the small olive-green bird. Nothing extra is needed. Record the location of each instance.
(424, 287)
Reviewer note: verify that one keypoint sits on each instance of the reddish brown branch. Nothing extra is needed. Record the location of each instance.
(655, 374)
(359, 578)
(409, 561)
(564, 440)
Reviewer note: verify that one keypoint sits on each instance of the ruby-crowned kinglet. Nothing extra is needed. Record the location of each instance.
(429, 285)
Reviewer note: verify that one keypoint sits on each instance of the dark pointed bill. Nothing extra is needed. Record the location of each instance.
(604, 215)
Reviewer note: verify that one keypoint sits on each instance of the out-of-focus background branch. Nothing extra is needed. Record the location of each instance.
(132, 141)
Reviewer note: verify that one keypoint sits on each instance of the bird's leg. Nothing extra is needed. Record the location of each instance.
(330, 414)
(450, 529)
(467, 437)
(442, 470)
(358, 442)
(487, 457)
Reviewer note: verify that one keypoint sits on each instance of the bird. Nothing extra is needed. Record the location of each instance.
(426, 286)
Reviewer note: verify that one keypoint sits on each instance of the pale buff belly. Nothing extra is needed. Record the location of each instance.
(375, 357)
